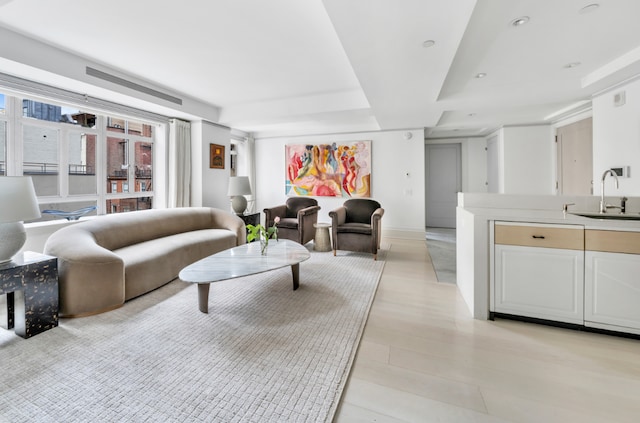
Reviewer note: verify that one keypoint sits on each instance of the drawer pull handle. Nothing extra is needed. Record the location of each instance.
(538, 236)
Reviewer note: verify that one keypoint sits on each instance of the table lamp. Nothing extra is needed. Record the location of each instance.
(239, 186)
(18, 202)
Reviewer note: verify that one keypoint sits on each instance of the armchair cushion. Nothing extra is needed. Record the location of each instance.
(355, 228)
(360, 210)
(288, 222)
(295, 204)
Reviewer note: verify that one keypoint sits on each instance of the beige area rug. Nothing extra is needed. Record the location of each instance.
(264, 353)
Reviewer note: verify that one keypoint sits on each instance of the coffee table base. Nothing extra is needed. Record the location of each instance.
(203, 289)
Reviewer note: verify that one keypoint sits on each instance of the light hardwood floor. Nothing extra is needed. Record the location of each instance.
(424, 359)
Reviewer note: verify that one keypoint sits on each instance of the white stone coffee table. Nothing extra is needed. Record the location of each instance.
(243, 260)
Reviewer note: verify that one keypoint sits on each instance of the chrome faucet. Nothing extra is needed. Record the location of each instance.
(603, 205)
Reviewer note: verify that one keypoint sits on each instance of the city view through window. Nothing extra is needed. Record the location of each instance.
(67, 152)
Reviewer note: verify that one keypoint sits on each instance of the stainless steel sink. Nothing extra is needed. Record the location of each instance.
(608, 216)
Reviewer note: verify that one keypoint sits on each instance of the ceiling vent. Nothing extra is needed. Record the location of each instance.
(132, 85)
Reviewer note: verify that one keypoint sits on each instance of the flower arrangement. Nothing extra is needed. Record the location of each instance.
(263, 234)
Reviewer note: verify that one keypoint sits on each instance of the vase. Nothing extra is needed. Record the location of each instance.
(264, 243)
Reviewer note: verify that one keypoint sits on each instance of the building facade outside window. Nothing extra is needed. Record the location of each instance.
(78, 158)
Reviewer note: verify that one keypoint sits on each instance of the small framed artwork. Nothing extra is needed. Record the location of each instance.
(216, 156)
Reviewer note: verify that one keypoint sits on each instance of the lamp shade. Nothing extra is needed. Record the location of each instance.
(239, 185)
(18, 199)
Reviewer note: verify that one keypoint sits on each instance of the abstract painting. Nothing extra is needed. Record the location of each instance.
(329, 170)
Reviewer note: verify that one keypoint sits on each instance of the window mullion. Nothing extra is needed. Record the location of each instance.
(63, 165)
(14, 138)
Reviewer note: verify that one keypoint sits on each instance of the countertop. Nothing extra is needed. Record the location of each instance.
(554, 217)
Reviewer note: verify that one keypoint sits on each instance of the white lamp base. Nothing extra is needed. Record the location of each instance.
(239, 204)
(12, 238)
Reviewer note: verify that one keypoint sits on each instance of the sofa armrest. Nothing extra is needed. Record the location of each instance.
(225, 220)
(271, 212)
(376, 223)
(91, 278)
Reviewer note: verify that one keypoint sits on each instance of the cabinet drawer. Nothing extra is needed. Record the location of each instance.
(540, 236)
(612, 241)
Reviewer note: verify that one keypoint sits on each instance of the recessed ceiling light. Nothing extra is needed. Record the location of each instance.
(428, 43)
(572, 65)
(520, 21)
(589, 8)
(481, 75)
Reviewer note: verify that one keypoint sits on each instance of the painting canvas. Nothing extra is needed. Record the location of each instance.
(216, 156)
(329, 170)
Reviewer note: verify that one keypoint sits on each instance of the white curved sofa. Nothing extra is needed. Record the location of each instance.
(106, 261)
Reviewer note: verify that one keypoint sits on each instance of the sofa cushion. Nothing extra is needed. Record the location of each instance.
(119, 230)
(151, 264)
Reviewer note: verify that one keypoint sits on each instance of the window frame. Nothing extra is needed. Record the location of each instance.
(15, 123)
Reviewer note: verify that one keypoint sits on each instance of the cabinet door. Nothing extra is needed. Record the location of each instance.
(612, 290)
(545, 283)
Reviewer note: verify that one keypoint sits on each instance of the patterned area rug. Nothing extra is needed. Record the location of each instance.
(264, 353)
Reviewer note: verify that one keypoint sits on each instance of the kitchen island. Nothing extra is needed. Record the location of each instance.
(548, 264)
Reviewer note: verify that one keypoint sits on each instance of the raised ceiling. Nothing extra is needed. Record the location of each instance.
(289, 67)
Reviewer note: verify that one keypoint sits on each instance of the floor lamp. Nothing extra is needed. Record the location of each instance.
(18, 203)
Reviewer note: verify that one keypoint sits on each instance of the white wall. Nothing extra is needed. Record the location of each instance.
(616, 138)
(474, 161)
(392, 158)
(209, 186)
(528, 153)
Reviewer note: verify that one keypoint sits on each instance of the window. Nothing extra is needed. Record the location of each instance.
(3, 147)
(53, 113)
(77, 158)
(40, 158)
(3, 137)
(82, 163)
(125, 175)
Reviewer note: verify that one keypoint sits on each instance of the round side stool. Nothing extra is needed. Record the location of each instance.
(322, 240)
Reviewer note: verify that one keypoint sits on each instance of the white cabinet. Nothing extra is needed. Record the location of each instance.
(612, 280)
(539, 271)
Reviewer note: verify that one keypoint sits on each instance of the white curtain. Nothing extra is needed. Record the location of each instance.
(179, 163)
(251, 171)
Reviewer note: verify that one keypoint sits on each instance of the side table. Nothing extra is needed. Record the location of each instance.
(250, 219)
(322, 240)
(30, 282)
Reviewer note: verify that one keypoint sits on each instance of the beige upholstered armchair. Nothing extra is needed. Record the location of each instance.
(356, 226)
(297, 218)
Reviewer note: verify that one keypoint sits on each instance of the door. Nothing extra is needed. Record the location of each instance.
(443, 184)
(575, 158)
